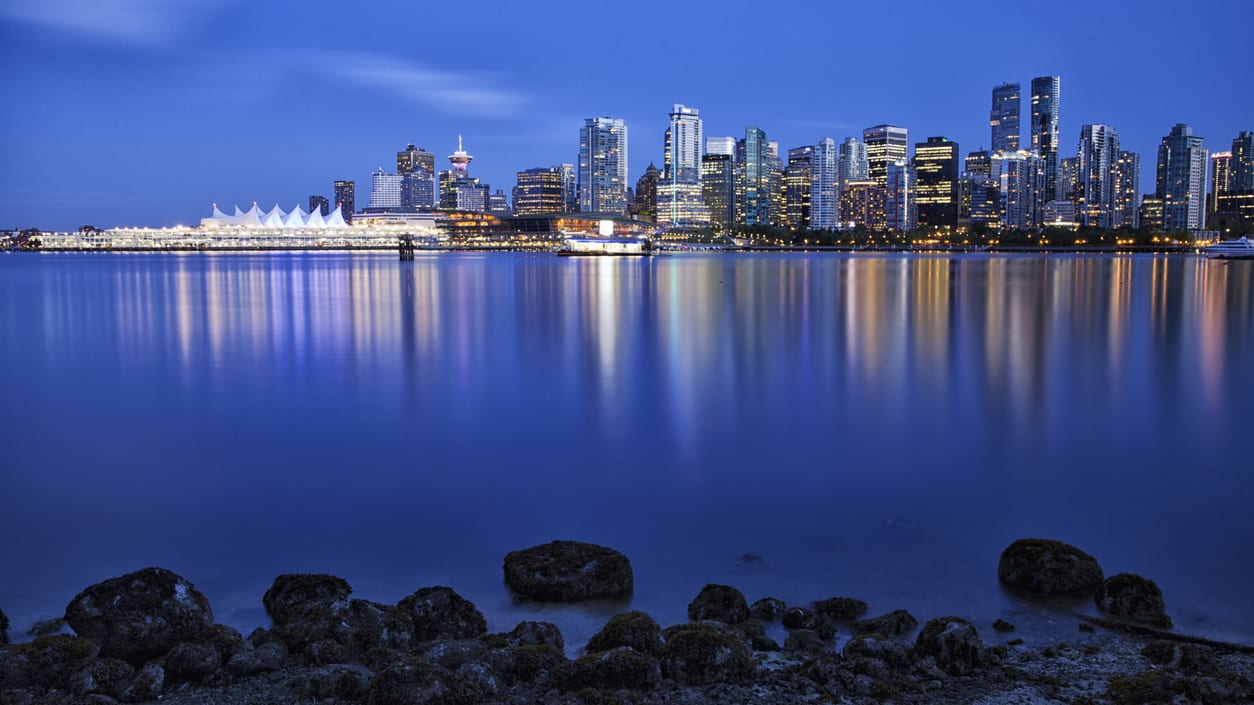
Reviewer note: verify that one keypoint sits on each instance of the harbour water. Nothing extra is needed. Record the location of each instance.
(797, 425)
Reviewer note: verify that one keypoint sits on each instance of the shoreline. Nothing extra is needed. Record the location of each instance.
(957, 250)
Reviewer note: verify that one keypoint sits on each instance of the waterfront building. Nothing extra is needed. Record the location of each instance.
(936, 186)
(418, 190)
(570, 188)
(679, 199)
(862, 205)
(824, 186)
(346, 198)
(644, 198)
(458, 190)
(1059, 214)
(978, 164)
(1003, 119)
(498, 204)
(1096, 183)
(754, 179)
(385, 192)
(1242, 180)
(797, 176)
(983, 198)
(1046, 96)
(885, 144)
(603, 166)
(900, 209)
(721, 145)
(1068, 178)
(1021, 187)
(718, 187)
(1181, 179)
(1127, 190)
(320, 204)
(414, 158)
(539, 191)
(852, 164)
(1220, 180)
(1152, 211)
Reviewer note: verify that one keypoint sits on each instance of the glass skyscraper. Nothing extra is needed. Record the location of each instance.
(824, 186)
(603, 166)
(936, 185)
(539, 191)
(718, 187)
(1046, 94)
(1181, 179)
(797, 176)
(1097, 176)
(852, 164)
(754, 167)
(346, 198)
(679, 197)
(1004, 118)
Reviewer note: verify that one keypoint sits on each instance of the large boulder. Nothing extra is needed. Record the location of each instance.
(527, 664)
(141, 615)
(768, 609)
(1045, 567)
(192, 662)
(894, 623)
(635, 629)
(440, 613)
(1128, 595)
(721, 603)
(953, 642)
(701, 654)
(569, 571)
(411, 682)
(104, 676)
(614, 669)
(840, 609)
(305, 597)
(47, 662)
(528, 634)
(4, 628)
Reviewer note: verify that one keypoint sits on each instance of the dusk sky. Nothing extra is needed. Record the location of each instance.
(144, 112)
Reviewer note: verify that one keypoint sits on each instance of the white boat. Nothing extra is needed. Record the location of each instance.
(1240, 248)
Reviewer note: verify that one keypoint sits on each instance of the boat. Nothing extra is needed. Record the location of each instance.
(605, 246)
(1240, 248)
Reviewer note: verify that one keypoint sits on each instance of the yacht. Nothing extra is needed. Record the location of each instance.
(1240, 248)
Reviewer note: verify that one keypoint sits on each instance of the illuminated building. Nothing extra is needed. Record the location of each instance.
(852, 163)
(1220, 179)
(679, 198)
(936, 183)
(416, 167)
(458, 189)
(1003, 119)
(570, 188)
(1233, 186)
(824, 186)
(1243, 163)
(775, 179)
(346, 198)
(900, 211)
(1021, 185)
(797, 177)
(320, 204)
(978, 164)
(1181, 179)
(885, 144)
(718, 187)
(983, 199)
(644, 201)
(1046, 96)
(385, 192)
(1059, 214)
(1068, 178)
(1096, 182)
(1127, 190)
(862, 205)
(498, 203)
(721, 145)
(539, 191)
(415, 158)
(1152, 212)
(603, 166)
(754, 166)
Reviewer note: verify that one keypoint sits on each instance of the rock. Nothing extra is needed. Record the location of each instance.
(440, 613)
(47, 627)
(953, 642)
(4, 627)
(700, 654)
(452, 655)
(798, 618)
(1003, 626)
(304, 597)
(475, 683)
(617, 668)
(192, 662)
(1045, 567)
(824, 626)
(528, 634)
(894, 654)
(107, 676)
(411, 682)
(327, 651)
(47, 662)
(805, 641)
(754, 632)
(226, 640)
(841, 609)
(894, 623)
(569, 571)
(1128, 595)
(369, 625)
(767, 609)
(147, 685)
(346, 681)
(141, 615)
(265, 658)
(721, 603)
(527, 664)
(635, 629)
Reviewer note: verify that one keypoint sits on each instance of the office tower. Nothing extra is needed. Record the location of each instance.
(418, 190)
(1181, 179)
(385, 191)
(1220, 180)
(320, 204)
(539, 191)
(570, 188)
(1020, 180)
(1068, 178)
(900, 211)
(346, 199)
(1046, 94)
(1242, 179)
(824, 186)
(1127, 190)
(885, 144)
(679, 198)
(1151, 211)
(779, 216)
(983, 202)
(978, 164)
(721, 145)
(603, 166)
(413, 158)
(862, 205)
(718, 187)
(644, 200)
(936, 183)
(852, 164)
(797, 176)
(754, 166)
(498, 204)
(1004, 118)
(1096, 182)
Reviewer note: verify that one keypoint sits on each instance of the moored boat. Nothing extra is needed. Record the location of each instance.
(1240, 248)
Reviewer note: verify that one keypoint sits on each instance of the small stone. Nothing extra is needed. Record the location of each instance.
(1128, 595)
(192, 662)
(798, 618)
(345, 681)
(953, 642)
(700, 654)
(147, 684)
(721, 603)
(613, 669)
(1086, 627)
(635, 629)
(264, 659)
(305, 596)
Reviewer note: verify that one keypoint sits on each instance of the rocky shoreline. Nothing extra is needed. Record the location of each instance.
(150, 635)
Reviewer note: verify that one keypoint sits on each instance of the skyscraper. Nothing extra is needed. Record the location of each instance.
(570, 188)
(1021, 187)
(346, 199)
(1097, 180)
(797, 197)
(1220, 180)
(603, 166)
(936, 185)
(1068, 178)
(718, 187)
(721, 145)
(1004, 118)
(413, 158)
(385, 191)
(458, 189)
(539, 191)
(679, 198)
(1242, 163)
(978, 164)
(416, 167)
(644, 199)
(1046, 94)
(754, 165)
(1181, 179)
(824, 186)
(852, 164)
(1127, 190)
(900, 213)
(885, 144)
(320, 204)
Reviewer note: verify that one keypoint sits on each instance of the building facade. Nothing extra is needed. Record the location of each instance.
(797, 177)
(385, 191)
(721, 145)
(644, 198)
(885, 144)
(852, 164)
(1097, 176)
(539, 191)
(1181, 179)
(1046, 97)
(679, 197)
(1021, 187)
(603, 166)
(346, 198)
(320, 204)
(413, 158)
(937, 193)
(1003, 119)
(824, 186)
(718, 187)
(754, 183)
(1127, 191)
(978, 165)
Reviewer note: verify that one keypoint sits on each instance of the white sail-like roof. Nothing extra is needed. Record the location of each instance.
(336, 219)
(275, 218)
(295, 218)
(315, 219)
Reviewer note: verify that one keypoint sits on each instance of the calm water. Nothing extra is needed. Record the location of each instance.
(876, 426)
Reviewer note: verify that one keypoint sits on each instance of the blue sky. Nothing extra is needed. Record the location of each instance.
(130, 112)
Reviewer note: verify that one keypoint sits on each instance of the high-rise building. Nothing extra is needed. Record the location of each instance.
(346, 198)
(1181, 182)
(644, 200)
(983, 202)
(679, 197)
(385, 191)
(978, 164)
(852, 164)
(1097, 181)
(1004, 118)
(1046, 96)
(936, 183)
(458, 189)
(779, 215)
(1242, 179)
(1220, 180)
(721, 145)
(413, 158)
(1068, 178)
(797, 197)
(1152, 211)
(1021, 187)
(418, 189)
(862, 205)
(900, 210)
(603, 166)
(824, 186)
(1127, 191)
(718, 187)
(320, 204)
(885, 144)
(498, 203)
(539, 191)
(754, 182)
(570, 188)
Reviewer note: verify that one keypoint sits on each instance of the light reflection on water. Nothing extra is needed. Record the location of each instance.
(871, 425)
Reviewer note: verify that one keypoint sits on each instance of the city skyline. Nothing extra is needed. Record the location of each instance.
(191, 88)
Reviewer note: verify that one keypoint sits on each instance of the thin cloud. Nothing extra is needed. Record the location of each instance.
(146, 22)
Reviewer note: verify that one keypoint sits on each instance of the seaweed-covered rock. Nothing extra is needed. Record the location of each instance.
(753, 631)
(894, 623)
(528, 634)
(805, 641)
(141, 615)
(798, 618)
(767, 609)
(369, 625)
(411, 682)
(4, 628)
(47, 662)
(893, 653)
(700, 654)
(1046, 567)
(569, 571)
(953, 642)
(192, 662)
(305, 596)
(476, 683)
(1003, 626)
(1128, 595)
(527, 664)
(721, 603)
(617, 668)
(635, 629)
(147, 684)
(840, 609)
(824, 626)
(105, 676)
(440, 613)
(344, 681)
(454, 654)
(268, 657)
